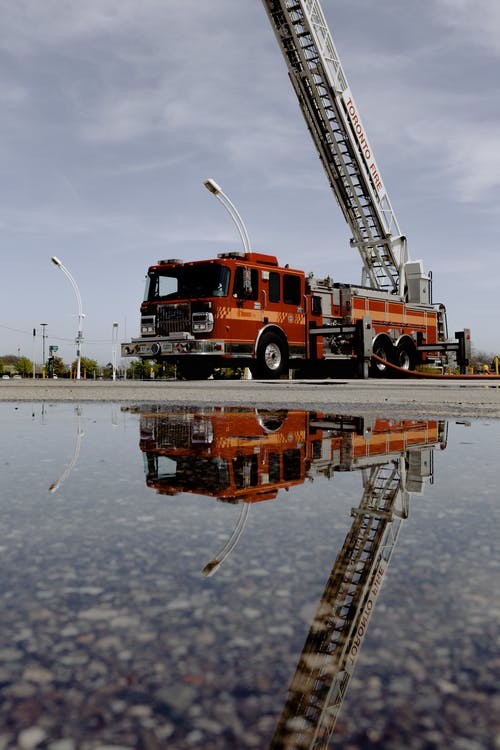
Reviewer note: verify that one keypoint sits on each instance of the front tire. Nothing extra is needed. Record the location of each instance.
(272, 357)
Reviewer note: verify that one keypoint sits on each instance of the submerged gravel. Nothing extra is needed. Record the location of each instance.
(111, 637)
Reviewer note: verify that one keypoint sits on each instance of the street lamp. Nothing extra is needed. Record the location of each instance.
(79, 335)
(216, 190)
(44, 336)
(114, 342)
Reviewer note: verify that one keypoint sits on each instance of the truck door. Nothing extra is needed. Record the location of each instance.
(248, 309)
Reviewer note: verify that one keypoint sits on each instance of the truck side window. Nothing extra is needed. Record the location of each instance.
(316, 305)
(291, 464)
(274, 287)
(246, 283)
(291, 290)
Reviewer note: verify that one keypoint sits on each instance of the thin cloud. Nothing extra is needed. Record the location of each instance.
(476, 22)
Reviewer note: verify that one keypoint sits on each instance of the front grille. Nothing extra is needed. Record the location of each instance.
(173, 319)
(170, 434)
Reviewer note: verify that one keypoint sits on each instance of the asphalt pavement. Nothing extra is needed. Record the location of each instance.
(447, 397)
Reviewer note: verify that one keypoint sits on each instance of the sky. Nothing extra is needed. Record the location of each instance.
(114, 113)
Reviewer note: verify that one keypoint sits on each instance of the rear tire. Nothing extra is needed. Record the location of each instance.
(405, 356)
(384, 350)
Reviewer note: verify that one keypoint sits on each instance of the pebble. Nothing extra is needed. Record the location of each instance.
(66, 744)
(31, 738)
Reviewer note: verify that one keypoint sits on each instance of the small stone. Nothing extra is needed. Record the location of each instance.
(97, 613)
(66, 744)
(251, 613)
(30, 738)
(140, 711)
(10, 654)
(124, 621)
(21, 690)
(69, 631)
(38, 675)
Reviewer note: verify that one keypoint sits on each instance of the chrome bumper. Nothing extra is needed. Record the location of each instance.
(170, 346)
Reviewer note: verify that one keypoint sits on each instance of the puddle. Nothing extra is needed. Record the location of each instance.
(222, 578)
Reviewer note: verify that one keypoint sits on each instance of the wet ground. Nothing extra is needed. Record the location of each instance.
(221, 578)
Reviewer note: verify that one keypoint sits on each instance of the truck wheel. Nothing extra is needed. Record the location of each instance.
(272, 356)
(405, 356)
(384, 350)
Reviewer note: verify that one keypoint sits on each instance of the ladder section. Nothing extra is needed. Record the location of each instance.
(334, 123)
(329, 654)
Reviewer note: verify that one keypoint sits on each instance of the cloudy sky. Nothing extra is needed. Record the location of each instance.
(114, 112)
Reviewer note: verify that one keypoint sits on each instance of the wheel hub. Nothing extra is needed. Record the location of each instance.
(272, 356)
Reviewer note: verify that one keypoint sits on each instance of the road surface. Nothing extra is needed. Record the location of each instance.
(399, 397)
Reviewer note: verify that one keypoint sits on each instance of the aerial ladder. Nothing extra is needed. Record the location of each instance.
(335, 125)
(247, 310)
(329, 655)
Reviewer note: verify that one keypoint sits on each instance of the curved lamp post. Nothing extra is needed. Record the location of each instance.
(216, 190)
(79, 335)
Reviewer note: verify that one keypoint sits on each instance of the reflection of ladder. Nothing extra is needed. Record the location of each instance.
(322, 90)
(331, 648)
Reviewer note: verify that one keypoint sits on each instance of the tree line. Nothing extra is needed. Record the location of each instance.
(11, 365)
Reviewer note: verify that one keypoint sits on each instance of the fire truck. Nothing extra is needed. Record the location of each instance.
(244, 457)
(244, 309)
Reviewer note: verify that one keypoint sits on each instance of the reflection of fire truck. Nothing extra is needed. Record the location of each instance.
(244, 456)
(245, 309)
(241, 455)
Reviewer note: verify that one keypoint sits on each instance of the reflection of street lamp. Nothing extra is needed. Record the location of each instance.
(79, 335)
(216, 190)
(114, 342)
(212, 566)
(67, 471)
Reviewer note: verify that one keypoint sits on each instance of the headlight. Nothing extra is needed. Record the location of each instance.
(202, 432)
(148, 326)
(203, 322)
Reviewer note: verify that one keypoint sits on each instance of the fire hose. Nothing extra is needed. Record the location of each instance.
(432, 375)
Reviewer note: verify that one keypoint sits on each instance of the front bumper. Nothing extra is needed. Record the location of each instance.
(169, 346)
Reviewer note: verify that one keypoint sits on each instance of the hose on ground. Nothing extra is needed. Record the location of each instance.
(432, 375)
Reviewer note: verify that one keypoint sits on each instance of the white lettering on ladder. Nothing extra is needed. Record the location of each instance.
(365, 616)
(362, 140)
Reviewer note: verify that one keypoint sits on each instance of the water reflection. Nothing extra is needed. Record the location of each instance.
(177, 591)
(248, 456)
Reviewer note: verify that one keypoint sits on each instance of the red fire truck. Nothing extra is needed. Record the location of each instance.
(246, 310)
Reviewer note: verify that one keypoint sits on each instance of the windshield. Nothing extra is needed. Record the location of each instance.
(191, 473)
(182, 282)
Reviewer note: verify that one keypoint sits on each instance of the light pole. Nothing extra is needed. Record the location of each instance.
(114, 342)
(79, 335)
(44, 336)
(216, 190)
(33, 357)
